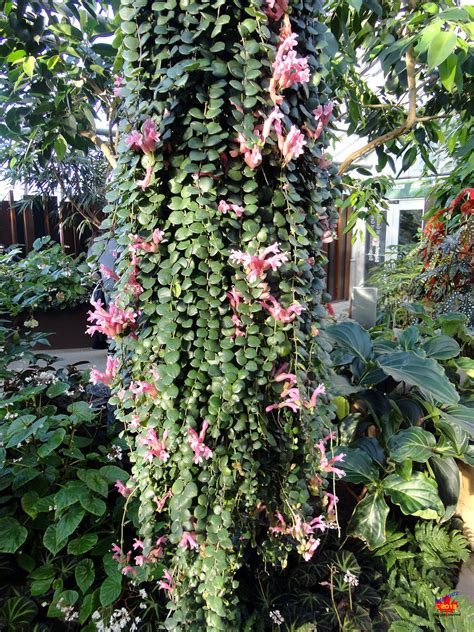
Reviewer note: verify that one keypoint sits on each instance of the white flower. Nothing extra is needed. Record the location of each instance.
(31, 323)
(276, 617)
(351, 579)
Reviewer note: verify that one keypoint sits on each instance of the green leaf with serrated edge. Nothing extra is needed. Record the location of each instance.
(81, 545)
(369, 519)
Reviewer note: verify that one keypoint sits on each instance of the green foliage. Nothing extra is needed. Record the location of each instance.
(47, 278)
(201, 72)
(400, 445)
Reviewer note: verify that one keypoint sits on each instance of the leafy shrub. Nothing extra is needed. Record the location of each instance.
(47, 278)
(404, 421)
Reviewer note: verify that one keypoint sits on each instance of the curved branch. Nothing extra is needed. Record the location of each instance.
(102, 145)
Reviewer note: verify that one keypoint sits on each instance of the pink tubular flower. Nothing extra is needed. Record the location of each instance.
(143, 388)
(224, 207)
(281, 376)
(108, 273)
(293, 401)
(157, 447)
(135, 422)
(319, 390)
(256, 265)
(332, 502)
(188, 541)
(196, 441)
(111, 322)
(166, 582)
(118, 83)
(160, 502)
(279, 313)
(328, 237)
(273, 120)
(145, 142)
(145, 183)
(322, 114)
(138, 242)
(292, 145)
(275, 9)
(137, 544)
(307, 548)
(234, 297)
(132, 283)
(123, 489)
(110, 372)
(288, 68)
(280, 527)
(252, 156)
(328, 465)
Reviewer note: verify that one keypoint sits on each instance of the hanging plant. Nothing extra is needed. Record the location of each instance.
(221, 201)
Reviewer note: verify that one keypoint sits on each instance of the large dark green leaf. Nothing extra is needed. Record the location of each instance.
(447, 476)
(425, 373)
(352, 337)
(12, 535)
(414, 443)
(110, 590)
(357, 465)
(415, 494)
(369, 520)
(460, 415)
(441, 348)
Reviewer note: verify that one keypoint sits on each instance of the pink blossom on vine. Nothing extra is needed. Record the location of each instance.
(328, 237)
(255, 266)
(108, 273)
(291, 145)
(196, 442)
(188, 541)
(293, 401)
(324, 163)
(327, 465)
(132, 283)
(167, 583)
(106, 377)
(279, 313)
(234, 297)
(118, 83)
(145, 183)
(123, 489)
(157, 446)
(281, 376)
(112, 321)
(332, 502)
(273, 120)
(252, 156)
(307, 548)
(140, 387)
(281, 526)
(135, 422)
(137, 544)
(224, 207)
(161, 502)
(288, 68)
(322, 114)
(275, 9)
(156, 551)
(138, 243)
(146, 141)
(319, 390)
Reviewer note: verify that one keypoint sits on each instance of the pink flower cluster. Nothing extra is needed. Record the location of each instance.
(288, 68)
(188, 541)
(290, 395)
(327, 465)
(106, 377)
(146, 141)
(224, 207)
(196, 442)
(253, 155)
(276, 9)
(256, 266)
(112, 321)
(291, 145)
(322, 114)
(300, 531)
(166, 582)
(279, 313)
(140, 387)
(138, 244)
(157, 446)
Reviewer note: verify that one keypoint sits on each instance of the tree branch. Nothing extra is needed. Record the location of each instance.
(102, 145)
(411, 113)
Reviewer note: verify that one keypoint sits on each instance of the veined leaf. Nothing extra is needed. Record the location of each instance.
(441, 47)
(414, 443)
(369, 519)
(419, 492)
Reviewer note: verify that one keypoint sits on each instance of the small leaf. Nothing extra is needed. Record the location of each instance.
(69, 522)
(60, 147)
(441, 348)
(12, 535)
(83, 544)
(29, 65)
(447, 72)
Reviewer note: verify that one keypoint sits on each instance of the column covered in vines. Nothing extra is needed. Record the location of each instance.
(221, 205)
